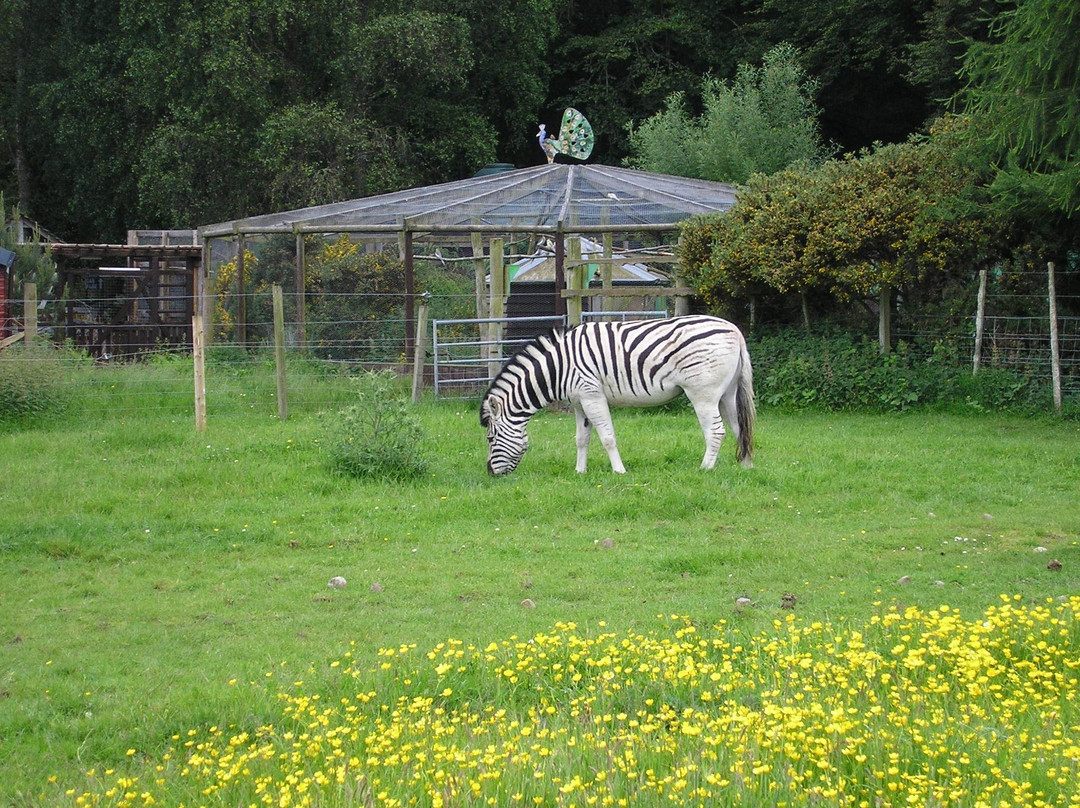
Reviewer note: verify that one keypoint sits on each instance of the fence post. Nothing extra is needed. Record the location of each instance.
(421, 349)
(198, 353)
(279, 354)
(479, 270)
(980, 319)
(497, 305)
(574, 282)
(301, 287)
(30, 325)
(607, 303)
(1055, 350)
(241, 301)
(204, 303)
(884, 318)
(682, 303)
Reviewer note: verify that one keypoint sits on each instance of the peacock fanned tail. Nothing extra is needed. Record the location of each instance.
(576, 137)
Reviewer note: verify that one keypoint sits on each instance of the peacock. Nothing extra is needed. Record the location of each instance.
(575, 139)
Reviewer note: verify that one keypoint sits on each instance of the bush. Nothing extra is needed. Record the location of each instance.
(377, 436)
(31, 385)
(841, 372)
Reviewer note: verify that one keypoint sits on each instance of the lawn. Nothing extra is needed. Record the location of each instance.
(166, 600)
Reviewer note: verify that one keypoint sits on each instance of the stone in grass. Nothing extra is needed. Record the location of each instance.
(528, 603)
(376, 588)
(337, 582)
(743, 603)
(1054, 565)
(904, 579)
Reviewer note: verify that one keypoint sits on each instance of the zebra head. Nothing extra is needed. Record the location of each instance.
(507, 440)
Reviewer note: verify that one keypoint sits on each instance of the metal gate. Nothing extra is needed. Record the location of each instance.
(468, 353)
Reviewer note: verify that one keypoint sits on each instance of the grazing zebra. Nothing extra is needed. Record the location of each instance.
(595, 365)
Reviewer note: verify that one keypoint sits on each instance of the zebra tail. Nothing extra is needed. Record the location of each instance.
(746, 409)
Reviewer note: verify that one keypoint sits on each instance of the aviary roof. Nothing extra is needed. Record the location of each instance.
(542, 199)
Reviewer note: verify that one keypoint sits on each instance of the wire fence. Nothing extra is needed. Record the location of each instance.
(93, 344)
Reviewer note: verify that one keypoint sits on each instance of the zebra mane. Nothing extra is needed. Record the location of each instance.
(543, 341)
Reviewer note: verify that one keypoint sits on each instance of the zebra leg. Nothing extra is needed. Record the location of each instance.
(712, 426)
(599, 414)
(584, 432)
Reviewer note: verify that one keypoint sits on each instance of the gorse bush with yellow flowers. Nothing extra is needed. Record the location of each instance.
(912, 707)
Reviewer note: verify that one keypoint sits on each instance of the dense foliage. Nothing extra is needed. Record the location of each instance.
(122, 116)
(899, 218)
(762, 122)
(1025, 82)
(841, 373)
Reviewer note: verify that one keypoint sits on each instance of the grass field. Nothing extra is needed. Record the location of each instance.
(163, 587)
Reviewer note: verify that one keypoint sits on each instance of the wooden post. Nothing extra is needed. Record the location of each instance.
(682, 302)
(410, 293)
(1055, 350)
(560, 273)
(497, 304)
(885, 319)
(606, 303)
(574, 282)
(980, 320)
(279, 354)
(301, 289)
(480, 270)
(241, 301)
(30, 322)
(199, 356)
(421, 349)
(203, 303)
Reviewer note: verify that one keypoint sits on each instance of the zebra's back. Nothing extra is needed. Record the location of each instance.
(649, 362)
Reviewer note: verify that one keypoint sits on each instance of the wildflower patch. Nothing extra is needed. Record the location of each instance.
(912, 707)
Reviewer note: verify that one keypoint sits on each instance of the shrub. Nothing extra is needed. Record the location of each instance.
(842, 372)
(377, 435)
(31, 385)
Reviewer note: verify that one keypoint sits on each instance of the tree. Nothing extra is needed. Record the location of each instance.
(315, 154)
(762, 122)
(75, 123)
(856, 49)
(898, 217)
(947, 28)
(1025, 84)
(618, 60)
(32, 261)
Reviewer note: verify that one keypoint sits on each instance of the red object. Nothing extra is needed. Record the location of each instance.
(3, 302)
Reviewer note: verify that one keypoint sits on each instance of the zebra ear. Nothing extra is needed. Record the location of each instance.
(488, 410)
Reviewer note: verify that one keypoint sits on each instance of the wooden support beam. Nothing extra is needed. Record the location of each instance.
(631, 291)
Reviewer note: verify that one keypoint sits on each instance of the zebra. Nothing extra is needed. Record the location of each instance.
(596, 365)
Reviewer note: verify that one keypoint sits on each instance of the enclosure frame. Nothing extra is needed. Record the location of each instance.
(556, 200)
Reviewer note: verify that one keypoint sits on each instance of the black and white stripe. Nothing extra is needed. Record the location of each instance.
(598, 365)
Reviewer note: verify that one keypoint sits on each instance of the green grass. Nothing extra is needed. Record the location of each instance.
(157, 580)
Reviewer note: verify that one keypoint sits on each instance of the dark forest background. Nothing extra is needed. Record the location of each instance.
(152, 114)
